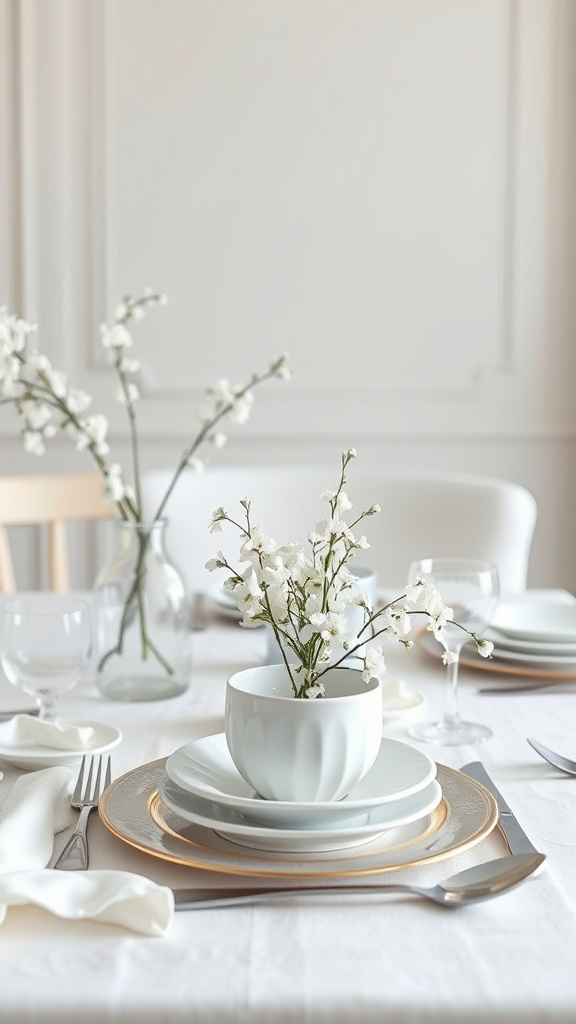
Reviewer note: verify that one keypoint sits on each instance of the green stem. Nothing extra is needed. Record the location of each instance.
(136, 596)
(203, 433)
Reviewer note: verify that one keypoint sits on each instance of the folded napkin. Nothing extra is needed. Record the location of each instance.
(60, 735)
(37, 806)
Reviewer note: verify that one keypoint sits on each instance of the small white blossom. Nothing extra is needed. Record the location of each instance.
(216, 563)
(127, 394)
(115, 336)
(113, 486)
(316, 690)
(279, 368)
(33, 442)
(374, 664)
(36, 414)
(449, 657)
(485, 648)
(92, 434)
(241, 408)
(129, 365)
(218, 517)
(78, 401)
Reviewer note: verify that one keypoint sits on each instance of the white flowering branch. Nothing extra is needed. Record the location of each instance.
(46, 404)
(305, 595)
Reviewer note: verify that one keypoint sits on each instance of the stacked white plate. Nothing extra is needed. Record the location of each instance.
(225, 603)
(203, 786)
(534, 632)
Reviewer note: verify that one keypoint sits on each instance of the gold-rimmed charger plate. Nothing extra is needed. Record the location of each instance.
(471, 659)
(132, 810)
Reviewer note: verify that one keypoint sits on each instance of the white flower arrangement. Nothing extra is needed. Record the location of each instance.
(304, 594)
(47, 404)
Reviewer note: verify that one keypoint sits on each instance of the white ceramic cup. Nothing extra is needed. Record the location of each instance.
(368, 583)
(302, 749)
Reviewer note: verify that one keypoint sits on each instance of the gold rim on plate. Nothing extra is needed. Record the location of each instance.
(132, 810)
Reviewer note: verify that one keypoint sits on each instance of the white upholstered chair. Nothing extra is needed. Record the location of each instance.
(423, 515)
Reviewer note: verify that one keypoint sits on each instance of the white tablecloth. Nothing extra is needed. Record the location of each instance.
(394, 959)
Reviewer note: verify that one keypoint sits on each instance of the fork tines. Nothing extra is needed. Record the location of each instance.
(86, 790)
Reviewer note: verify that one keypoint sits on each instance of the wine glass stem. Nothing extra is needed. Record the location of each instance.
(47, 712)
(451, 714)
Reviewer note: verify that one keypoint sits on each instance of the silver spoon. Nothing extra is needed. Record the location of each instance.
(478, 883)
(564, 763)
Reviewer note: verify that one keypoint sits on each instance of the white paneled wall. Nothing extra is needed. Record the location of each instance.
(382, 188)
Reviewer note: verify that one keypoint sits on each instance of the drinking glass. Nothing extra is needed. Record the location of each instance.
(471, 589)
(45, 645)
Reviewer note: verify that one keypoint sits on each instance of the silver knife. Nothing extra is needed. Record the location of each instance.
(5, 716)
(512, 831)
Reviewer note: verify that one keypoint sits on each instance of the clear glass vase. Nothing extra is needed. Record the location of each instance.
(142, 619)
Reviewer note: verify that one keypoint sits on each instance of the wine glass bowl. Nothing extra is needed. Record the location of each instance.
(45, 646)
(470, 587)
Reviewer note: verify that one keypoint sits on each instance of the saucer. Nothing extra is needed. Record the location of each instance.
(205, 768)
(238, 829)
(31, 756)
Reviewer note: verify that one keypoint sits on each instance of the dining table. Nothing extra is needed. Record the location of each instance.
(357, 958)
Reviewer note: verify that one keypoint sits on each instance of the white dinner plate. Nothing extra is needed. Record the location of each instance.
(205, 768)
(548, 621)
(132, 810)
(238, 829)
(32, 757)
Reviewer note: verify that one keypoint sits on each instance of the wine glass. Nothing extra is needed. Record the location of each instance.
(45, 645)
(471, 589)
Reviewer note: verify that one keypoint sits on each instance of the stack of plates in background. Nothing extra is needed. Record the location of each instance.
(534, 632)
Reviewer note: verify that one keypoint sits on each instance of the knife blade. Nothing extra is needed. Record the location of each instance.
(513, 833)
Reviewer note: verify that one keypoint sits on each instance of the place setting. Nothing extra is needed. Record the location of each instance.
(299, 788)
(302, 781)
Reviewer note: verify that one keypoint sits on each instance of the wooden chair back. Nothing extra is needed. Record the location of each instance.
(52, 500)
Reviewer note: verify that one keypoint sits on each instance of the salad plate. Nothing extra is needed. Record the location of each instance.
(31, 756)
(205, 768)
(132, 810)
(239, 829)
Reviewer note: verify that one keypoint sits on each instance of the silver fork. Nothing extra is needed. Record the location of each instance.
(74, 856)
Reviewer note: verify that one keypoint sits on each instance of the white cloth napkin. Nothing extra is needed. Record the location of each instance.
(59, 735)
(37, 806)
